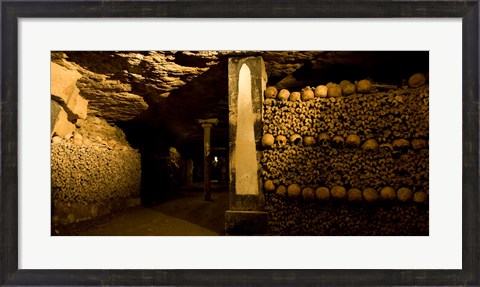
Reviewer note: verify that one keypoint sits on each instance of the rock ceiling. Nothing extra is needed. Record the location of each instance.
(165, 92)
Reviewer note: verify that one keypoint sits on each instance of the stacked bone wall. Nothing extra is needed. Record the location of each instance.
(347, 164)
(94, 171)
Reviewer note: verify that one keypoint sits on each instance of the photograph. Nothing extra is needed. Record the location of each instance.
(239, 143)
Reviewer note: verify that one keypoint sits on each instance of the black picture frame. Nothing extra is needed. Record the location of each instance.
(11, 11)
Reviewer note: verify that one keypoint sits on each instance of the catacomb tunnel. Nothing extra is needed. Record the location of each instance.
(239, 142)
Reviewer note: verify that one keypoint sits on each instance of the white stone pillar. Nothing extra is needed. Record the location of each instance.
(247, 80)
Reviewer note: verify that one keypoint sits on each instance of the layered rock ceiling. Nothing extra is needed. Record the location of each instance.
(161, 94)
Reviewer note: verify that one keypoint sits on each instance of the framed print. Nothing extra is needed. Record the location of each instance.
(305, 137)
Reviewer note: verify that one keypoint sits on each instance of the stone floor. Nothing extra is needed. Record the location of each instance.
(185, 214)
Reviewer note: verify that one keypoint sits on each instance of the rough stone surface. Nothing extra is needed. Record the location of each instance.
(61, 126)
(64, 90)
(63, 81)
(55, 109)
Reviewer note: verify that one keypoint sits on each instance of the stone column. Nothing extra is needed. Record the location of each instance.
(246, 84)
(207, 124)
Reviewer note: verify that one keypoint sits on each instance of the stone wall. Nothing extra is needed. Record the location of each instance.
(348, 159)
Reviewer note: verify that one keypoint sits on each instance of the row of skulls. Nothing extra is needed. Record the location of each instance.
(322, 193)
(353, 141)
(345, 88)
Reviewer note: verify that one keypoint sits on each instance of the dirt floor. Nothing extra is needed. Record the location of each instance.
(186, 213)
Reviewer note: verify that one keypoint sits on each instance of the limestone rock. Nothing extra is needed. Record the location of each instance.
(61, 125)
(79, 123)
(63, 81)
(55, 108)
(64, 90)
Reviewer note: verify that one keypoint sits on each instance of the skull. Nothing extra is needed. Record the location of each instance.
(370, 144)
(309, 140)
(296, 139)
(294, 97)
(283, 95)
(267, 140)
(324, 139)
(281, 141)
(338, 141)
(353, 140)
(401, 143)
